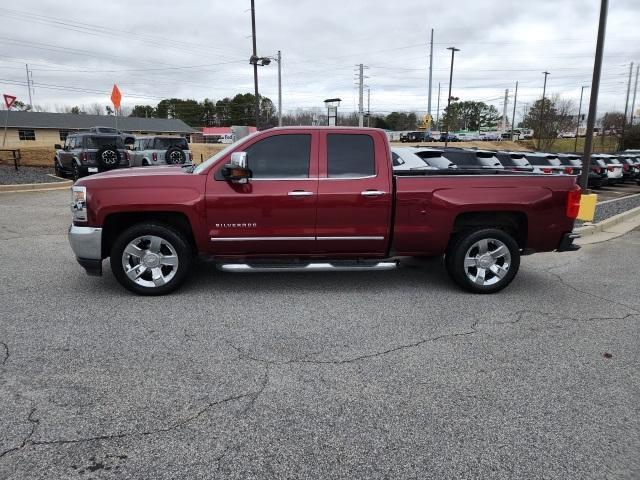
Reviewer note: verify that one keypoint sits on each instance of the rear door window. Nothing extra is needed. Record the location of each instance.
(166, 143)
(280, 156)
(350, 156)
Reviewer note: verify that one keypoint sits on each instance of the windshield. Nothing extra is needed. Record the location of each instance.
(99, 142)
(210, 161)
(434, 159)
(165, 143)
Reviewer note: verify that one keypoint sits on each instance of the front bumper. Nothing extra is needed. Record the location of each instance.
(86, 243)
(566, 243)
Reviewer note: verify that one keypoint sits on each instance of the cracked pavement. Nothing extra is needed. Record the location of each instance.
(326, 375)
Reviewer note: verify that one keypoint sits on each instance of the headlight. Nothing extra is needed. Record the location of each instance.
(79, 203)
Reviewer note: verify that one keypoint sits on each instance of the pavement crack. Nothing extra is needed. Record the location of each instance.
(584, 292)
(27, 440)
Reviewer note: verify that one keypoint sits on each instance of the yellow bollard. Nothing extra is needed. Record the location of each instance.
(587, 207)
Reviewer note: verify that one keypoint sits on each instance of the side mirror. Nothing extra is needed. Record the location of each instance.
(57, 146)
(237, 171)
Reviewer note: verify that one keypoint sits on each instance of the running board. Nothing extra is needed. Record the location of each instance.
(307, 267)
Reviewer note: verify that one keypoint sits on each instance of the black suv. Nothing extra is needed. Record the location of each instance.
(85, 153)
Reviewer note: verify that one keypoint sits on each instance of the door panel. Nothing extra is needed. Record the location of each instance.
(354, 196)
(268, 215)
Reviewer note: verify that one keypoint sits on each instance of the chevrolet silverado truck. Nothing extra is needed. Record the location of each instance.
(316, 198)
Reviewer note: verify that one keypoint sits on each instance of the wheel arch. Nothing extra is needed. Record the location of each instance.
(515, 223)
(116, 223)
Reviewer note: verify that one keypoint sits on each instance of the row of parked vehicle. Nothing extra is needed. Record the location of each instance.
(103, 148)
(425, 136)
(604, 170)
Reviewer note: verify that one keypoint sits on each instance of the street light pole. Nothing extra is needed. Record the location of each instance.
(575, 147)
(453, 52)
(279, 89)
(544, 91)
(593, 101)
(254, 60)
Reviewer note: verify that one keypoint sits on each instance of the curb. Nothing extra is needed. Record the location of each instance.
(603, 225)
(36, 187)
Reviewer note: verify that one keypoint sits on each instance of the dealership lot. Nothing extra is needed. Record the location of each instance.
(362, 375)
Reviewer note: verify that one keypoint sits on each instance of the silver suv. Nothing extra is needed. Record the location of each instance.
(158, 150)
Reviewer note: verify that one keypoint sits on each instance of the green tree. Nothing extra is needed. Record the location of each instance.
(470, 115)
(143, 111)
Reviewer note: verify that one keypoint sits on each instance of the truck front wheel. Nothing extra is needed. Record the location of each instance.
(151, 259)
(483, 260)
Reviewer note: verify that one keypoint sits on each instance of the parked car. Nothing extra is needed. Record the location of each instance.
(160, 150)
(546, 163)
(598, 173)
(85, 153)
(405, 159)
(614, 168)
(434, 158)
(452, 137)
(491, 136)
(260, 199)
(572, 163)
(411, 137)
(629, 170)
(516, 161)
(469, 158)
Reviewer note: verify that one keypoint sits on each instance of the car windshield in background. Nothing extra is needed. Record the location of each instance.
(434, 159)
(99, 142)
(512, 159)
(165, 143)
(463, 159)
(543, 160)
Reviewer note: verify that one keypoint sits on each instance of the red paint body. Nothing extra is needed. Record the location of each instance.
(414, 216)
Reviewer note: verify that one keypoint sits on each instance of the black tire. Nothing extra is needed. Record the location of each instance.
(108, 157)
(174, 156)
(75, 172)
(465, 242)
(172, 240)
(56, 167)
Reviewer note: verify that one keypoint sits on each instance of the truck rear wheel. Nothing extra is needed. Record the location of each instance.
(151, 259)
(483, 260)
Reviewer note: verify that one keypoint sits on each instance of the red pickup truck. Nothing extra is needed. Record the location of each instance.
(315, 198)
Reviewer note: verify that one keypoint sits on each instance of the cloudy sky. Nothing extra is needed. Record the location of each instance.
(195, 49)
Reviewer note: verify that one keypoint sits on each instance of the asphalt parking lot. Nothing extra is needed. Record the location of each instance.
(328, 375)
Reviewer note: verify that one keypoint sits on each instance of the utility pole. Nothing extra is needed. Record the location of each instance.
(504, 110)
(29, 87)
(368, 107)
(593, 101)
(430, 77)
(279, 89)
(544, 91)
(453, 52)
(575, 147)
(254, 60)
(626, 103)
(635, 91)
(360, 96)
(513, 116)
(438, 108)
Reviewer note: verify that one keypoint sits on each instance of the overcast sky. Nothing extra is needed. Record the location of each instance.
(196, 49)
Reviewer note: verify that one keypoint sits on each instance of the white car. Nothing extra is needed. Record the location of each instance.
(405, 159)
(615, 172)
(545, 163)
(434, 158)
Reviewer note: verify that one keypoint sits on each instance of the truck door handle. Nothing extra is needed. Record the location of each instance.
(300, 193)
(372, 193)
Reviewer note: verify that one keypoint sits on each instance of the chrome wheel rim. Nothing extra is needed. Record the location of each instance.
(109, 157)
(487, 262)
(150, 261)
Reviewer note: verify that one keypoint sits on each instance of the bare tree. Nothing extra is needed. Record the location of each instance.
(94, 109)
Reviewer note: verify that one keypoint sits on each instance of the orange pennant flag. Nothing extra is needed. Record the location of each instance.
(116, 97)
